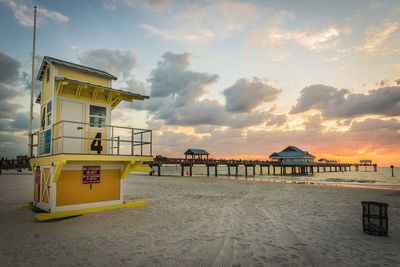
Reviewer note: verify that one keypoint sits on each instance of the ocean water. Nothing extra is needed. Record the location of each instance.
(365, 175)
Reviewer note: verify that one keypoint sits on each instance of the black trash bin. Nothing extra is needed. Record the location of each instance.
(375, 218)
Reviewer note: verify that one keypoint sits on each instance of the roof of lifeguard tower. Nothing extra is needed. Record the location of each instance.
(291, 152)
(70, 65)
(118, 94)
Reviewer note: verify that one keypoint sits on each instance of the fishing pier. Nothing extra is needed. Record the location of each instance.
(264, 167)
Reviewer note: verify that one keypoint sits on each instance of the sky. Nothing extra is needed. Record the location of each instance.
(241, 79)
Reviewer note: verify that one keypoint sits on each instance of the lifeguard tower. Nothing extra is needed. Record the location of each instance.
(80, 159)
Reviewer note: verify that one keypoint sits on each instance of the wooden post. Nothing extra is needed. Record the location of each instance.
(229, 170)
(273, 166)
(254, 169)
(181, 169)
(392, 167)
(260, 169)
(268, 170)
(208, 170)
(245, 172)
(190, 169)
(159, 170)
(237, 172)
(375, 168)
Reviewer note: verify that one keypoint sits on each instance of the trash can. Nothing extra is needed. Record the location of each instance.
(375, 218)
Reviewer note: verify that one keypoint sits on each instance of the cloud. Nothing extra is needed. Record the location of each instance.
(204, 23)
(135, 86)
(9, 68)
(377, 36)
(276, 37)
(23, 12)
(187, 33)
(171, 78)
(177, 97)
(9, 82)
(314, 122)
(247, 94)
(8, 109)
(376, 4)
(335, 103)
(150, 4)
(115, 62)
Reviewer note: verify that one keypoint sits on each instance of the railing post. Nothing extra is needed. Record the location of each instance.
(141, 143)
(151, 142)
(132, 140)
(52, 139)
(112, 140)
(118, 138)
(62, 143)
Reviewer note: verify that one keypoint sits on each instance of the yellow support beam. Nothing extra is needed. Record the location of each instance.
(95, 92)
(109, 98)
(59, 88)
(57, 171)
(33, 168)
(127, 169)
(78, 91)
(115, 103)
(65, 214)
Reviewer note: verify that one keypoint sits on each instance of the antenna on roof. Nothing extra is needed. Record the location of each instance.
(30, 148)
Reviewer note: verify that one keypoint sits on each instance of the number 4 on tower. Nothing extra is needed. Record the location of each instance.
(98, 147)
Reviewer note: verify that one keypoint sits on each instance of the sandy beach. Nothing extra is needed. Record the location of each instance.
(200, 221)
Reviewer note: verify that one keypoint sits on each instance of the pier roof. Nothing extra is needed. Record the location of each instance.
(291, 152)
(192, 151)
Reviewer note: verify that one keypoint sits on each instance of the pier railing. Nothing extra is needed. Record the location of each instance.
(70, 137)
(211, 161)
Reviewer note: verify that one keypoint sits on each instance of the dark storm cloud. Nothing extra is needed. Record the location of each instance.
(9, 69)
(375, 124)
(246, 94)
(116, 62)
(172, 79)
(9, 85)
(335, 103)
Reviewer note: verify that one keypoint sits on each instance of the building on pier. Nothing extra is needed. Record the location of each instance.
(197, 154)
(79, 158)
(292, 156)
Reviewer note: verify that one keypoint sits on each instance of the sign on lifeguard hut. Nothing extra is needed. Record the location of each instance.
(81, 159)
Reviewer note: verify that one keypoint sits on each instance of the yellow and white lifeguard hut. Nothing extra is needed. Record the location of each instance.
(80, 159)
